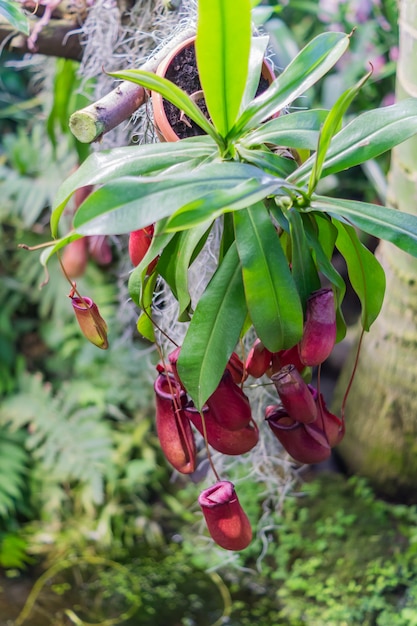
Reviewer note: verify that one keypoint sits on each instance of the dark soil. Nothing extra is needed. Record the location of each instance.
(183, 72)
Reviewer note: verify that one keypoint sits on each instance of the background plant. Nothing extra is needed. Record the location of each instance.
(54, 386)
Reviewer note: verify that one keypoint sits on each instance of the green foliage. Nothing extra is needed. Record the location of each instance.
(353, 567)
(374, 40)
(224, 292)
(239, 169)
(66, 99)
(171, 590)
(364, 270)
(267, 280)
(223, 89)
(29, 179)
(338, 555)
(311, 64)
(13, 551)
(14, 462)
(155, 588)
(67, 437)
(14, 13)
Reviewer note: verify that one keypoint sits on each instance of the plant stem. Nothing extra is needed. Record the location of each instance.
(352, 376)
(209, 457)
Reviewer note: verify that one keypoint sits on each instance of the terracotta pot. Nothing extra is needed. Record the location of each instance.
(163, 127)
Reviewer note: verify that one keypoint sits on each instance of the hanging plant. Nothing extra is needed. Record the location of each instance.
(257, 173)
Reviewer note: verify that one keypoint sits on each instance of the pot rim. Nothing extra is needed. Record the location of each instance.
(163, 127)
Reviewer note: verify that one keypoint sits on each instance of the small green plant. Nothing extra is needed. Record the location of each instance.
(345, 557)
(336, 555)
(252, 173)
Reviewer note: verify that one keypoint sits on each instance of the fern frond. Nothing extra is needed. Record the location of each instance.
(30, 178)
(13, 472)
(70, 442)
(13, 551)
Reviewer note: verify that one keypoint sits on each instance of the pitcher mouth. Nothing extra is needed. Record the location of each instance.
(284, 423)
(166, 386)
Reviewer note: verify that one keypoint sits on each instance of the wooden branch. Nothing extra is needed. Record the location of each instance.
(89, 124)
(54, 39)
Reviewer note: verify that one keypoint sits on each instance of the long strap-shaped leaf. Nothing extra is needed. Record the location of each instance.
(332, 124)
(13, 12)
(222, 201)
(313, 62)
(271, 295)
(303, 269)
(294, 130)
(214, 330)
(176, 259)
(365, 273)
(145, 326)
(395, 226)
(131, 203)
(102, 167)
(367, 136)
(222, 48)
(137, 278)
(268, 161)
(171, 92)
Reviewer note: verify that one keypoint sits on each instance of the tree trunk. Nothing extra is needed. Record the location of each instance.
(381, 413)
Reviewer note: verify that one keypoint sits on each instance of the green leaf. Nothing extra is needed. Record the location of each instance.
(303, 269)
(214, 330)
(228, 235)
(330, 128)
(365, 273)
(168, 259)
(222, 49)
(190, 251)
(322, 239)
(131, 203)
(313, 62)
(221, 201)
(172, 93)
(321, 236)
(367, 136)
(102, 167)
(268, 161)
(293, 130)
(145, 326)
(395, 226)
(256, 59)
(65, 80)
(175, 262)
(137, 278)
(49, 252)
(271, 295)
(262, 14)
(14, 14)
